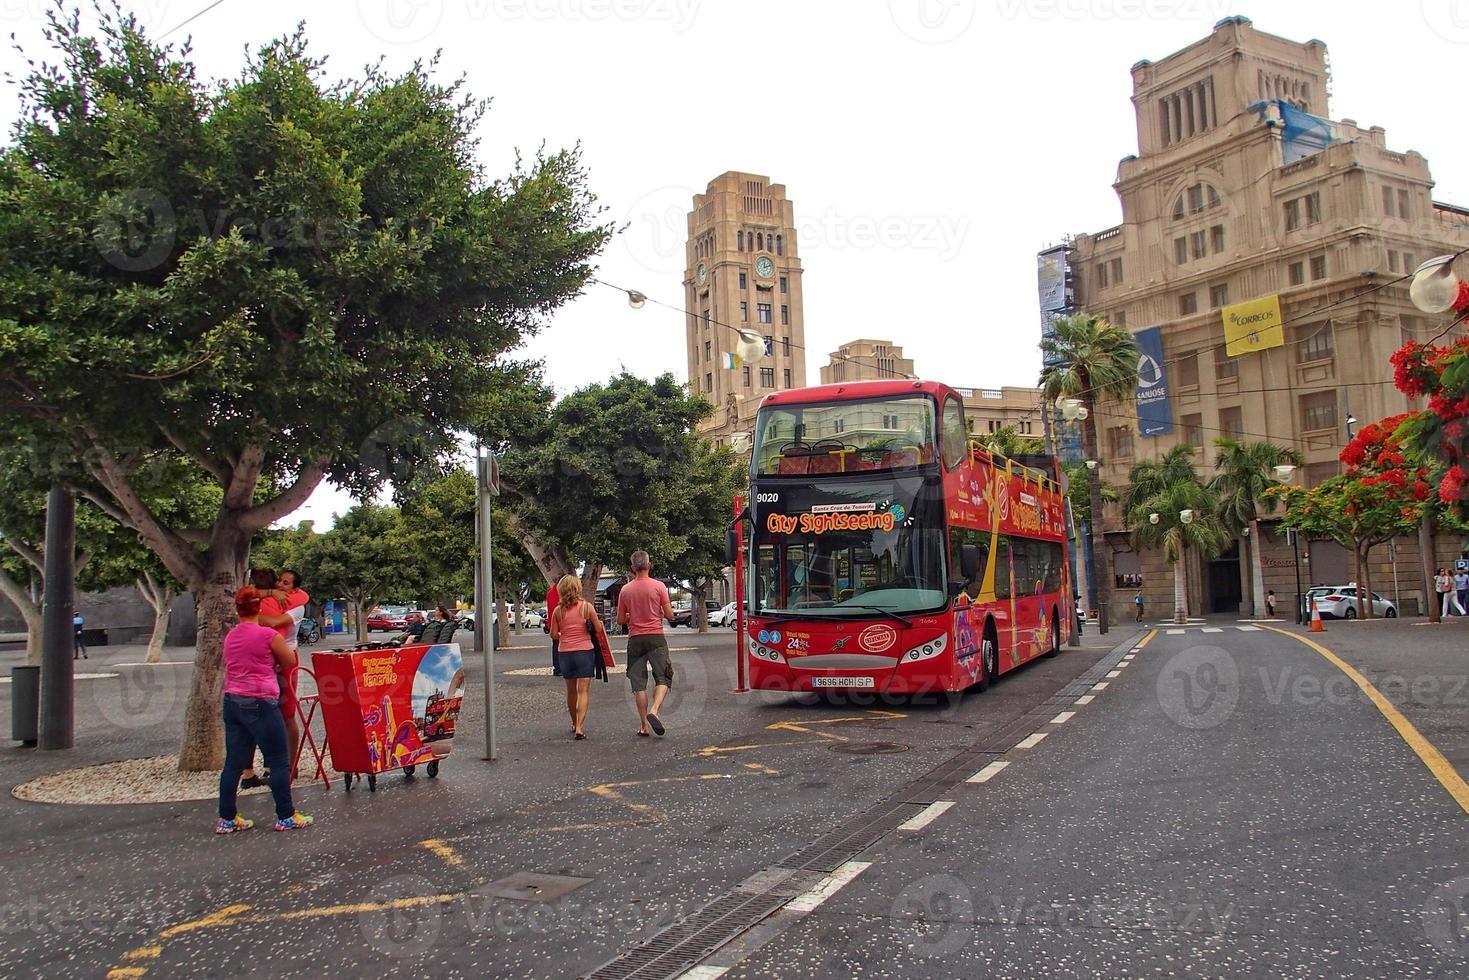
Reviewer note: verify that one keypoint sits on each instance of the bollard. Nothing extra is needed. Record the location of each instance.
(25, 705)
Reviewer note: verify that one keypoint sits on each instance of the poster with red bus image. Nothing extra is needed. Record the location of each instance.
(390, 709)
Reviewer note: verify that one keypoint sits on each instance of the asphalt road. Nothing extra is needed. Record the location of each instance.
(1223, 806)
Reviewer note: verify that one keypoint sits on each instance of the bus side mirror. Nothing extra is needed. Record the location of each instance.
(731, 546)
(969, 561)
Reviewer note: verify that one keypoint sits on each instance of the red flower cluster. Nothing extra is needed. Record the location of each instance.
(1451, 490)
(1414, 368)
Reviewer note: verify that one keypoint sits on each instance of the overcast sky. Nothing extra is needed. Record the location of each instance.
(931, 147)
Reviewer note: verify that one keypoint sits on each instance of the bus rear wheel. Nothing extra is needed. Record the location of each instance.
(1055, 646)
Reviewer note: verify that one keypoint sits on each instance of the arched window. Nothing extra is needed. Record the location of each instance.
(760, 242)
(1196, 199)
(740, 240)
(779, 245)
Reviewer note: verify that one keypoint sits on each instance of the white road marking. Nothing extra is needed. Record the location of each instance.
(1175, 632)
(988, 772)
(161, 663)
(77, 677)
(1086, 699)
(1248, 629)
(1099, 686)
(1030, 741)
(1113, 673)
(1063, 717)
(827, 887)
(928, 815)
(1212, 629)
(704, 973)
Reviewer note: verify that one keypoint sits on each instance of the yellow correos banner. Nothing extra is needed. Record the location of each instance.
(1254, 325)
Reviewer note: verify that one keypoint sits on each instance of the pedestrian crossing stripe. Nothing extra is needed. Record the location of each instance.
(1180, 630)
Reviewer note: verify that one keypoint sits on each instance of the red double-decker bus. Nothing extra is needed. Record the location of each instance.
(892, 554)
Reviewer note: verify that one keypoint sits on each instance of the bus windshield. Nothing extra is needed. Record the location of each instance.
(845, 436)
(850, 549)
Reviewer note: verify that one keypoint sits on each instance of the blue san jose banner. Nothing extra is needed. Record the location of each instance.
(1154, 413)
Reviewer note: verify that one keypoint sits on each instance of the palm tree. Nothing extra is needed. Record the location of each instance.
(1086, 357)
(1168, 507)
(1245, 471)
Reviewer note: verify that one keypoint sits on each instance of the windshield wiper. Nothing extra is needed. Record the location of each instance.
(815, 612)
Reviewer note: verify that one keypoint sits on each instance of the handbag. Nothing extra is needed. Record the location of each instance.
(604, 652)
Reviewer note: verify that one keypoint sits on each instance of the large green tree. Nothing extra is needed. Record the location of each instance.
(1245, 473)
(702, 514)
(612, 468)
(1089, 358)
(275, 276)
(1170, 508)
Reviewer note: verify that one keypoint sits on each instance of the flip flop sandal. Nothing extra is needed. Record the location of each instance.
(655, 724)
(643, 734)
(580, 736)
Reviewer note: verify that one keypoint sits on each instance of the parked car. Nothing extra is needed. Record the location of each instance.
(1340, 602)
(533, 619)
(413, 616)
(685, 617)
(726, 616)
(381, 620)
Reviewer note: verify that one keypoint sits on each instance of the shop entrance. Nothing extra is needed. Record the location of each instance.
(1223, 588)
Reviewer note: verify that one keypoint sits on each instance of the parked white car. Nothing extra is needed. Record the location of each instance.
(1340, 602)
(725, 616)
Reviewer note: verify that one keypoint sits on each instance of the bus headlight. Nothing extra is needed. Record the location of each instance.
(766, 653)
(926, 651)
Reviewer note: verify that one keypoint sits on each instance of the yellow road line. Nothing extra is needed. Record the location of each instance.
(1144, 641)
(222, 917)
(143, 953)
(125, 972)
(1441, 768)
(450, 856)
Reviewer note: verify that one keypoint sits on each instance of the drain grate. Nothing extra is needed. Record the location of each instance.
(685, 943)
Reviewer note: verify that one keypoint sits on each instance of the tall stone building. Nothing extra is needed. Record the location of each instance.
(744, 271)
(985, 409)
(1245, 193)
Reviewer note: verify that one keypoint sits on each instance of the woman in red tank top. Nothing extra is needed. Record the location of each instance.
(573, 624)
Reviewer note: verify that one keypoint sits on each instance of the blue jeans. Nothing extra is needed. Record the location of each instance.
(249, 722)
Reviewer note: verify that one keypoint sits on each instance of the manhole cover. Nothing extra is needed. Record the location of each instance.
(526, 886)
(870, 748)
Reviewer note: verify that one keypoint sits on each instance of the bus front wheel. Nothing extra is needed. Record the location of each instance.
(989, 659)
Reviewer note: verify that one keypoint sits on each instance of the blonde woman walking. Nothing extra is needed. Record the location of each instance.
(576, 630)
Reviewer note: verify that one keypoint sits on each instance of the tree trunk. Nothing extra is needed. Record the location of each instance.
(360, 610)
(1357, 577)
(159, 597)
(30, 613)
(700, 588)
(1180, 588)
(1426, 562)
(202, 746)
(590, 576)
(502, 625)
(519, 614)
(1364, 585)
(1101, 554)
(1257, 568)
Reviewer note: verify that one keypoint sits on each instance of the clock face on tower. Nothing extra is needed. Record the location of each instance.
(703, 274)
(764, 268)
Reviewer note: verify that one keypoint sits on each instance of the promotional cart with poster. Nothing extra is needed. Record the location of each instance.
(387, 709)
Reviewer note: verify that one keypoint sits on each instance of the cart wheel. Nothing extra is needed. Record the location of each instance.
(371, 783)
(433, 769)
(408, 771)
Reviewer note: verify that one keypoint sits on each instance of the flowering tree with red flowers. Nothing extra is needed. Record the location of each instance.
(1384, 492)
(1438, 435)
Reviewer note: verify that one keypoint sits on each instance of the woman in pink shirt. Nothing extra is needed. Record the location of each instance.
(252, 715)
(572, 627)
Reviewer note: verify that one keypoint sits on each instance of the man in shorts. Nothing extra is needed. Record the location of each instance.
(642, 607)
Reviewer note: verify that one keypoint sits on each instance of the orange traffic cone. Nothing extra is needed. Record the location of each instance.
(1316, 626)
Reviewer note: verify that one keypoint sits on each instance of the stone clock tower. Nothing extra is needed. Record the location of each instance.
(744, 271)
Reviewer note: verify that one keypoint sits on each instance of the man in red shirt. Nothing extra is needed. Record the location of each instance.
(553, 599)
(642, 606)
(281, 607)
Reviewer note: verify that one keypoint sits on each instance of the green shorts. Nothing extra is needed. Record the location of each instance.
(648, 652)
